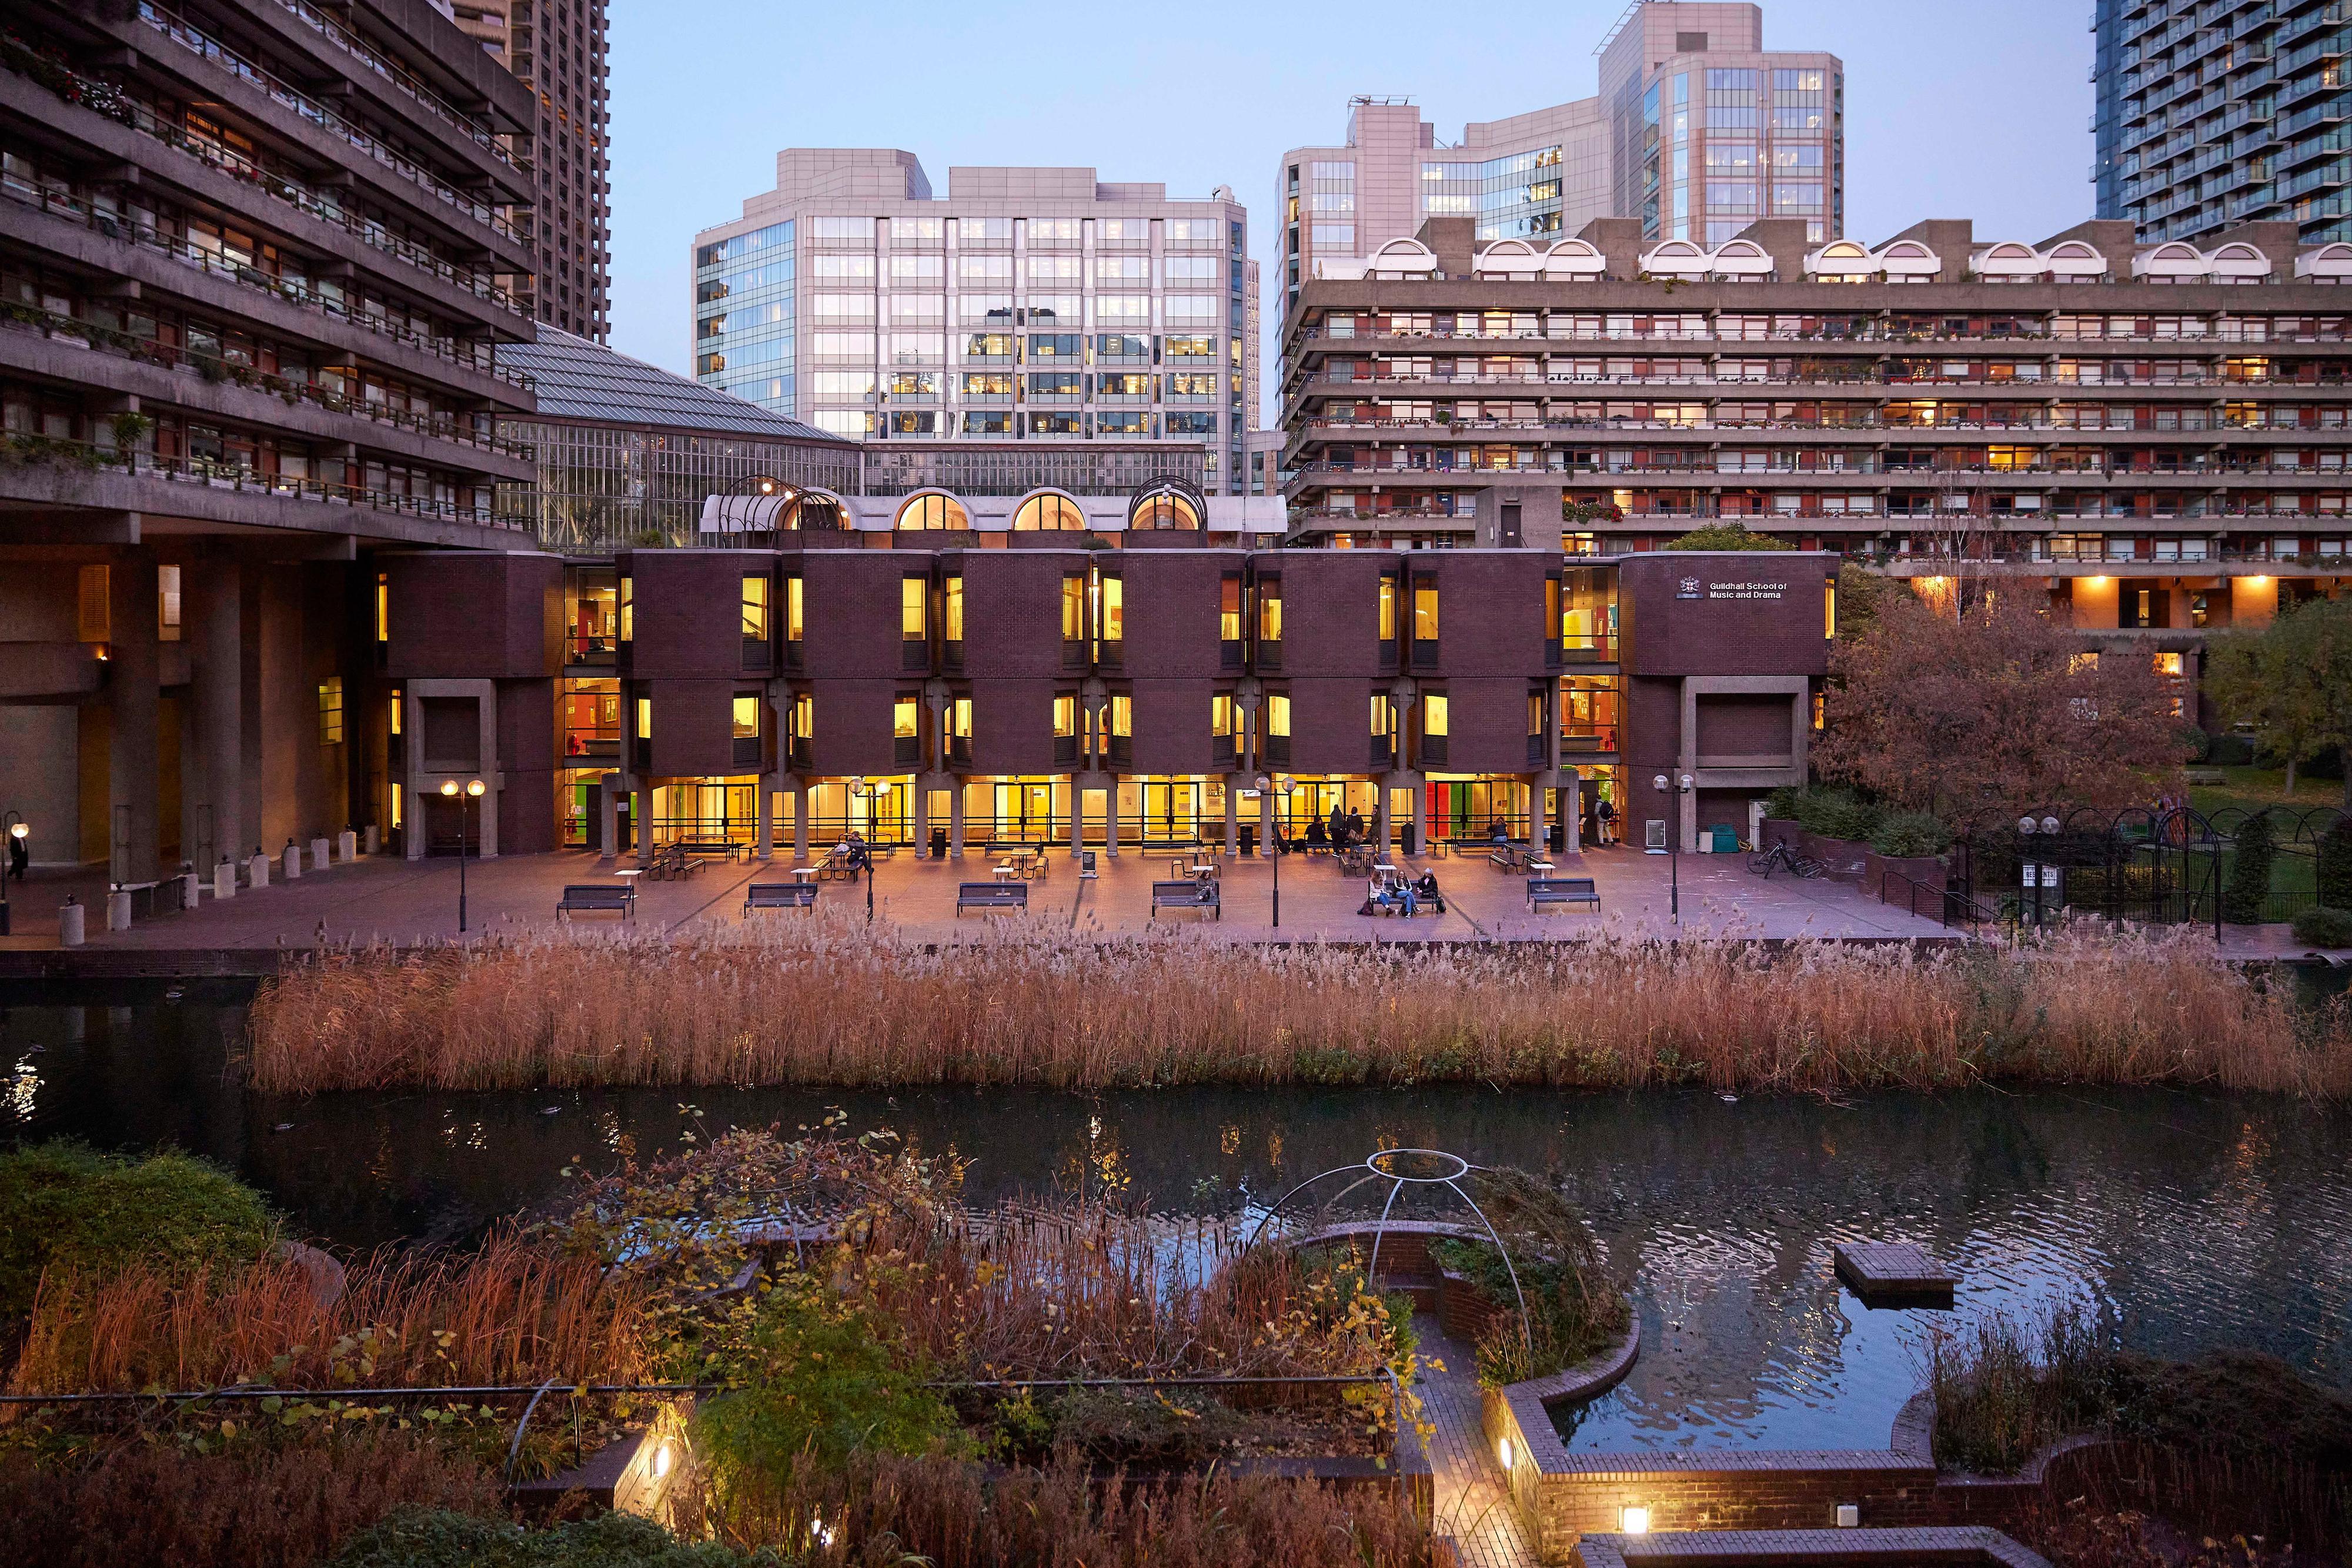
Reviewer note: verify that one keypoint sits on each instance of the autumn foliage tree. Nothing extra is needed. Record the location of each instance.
(1993, 707)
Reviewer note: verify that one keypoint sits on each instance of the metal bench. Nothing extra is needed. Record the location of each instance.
(598, 897)
(1506, 857)
(779, 895)
(711, 849)
(1186, 894)
(1008, 895)
(1548, 890)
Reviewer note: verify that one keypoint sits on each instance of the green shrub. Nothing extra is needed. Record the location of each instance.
(1575, 1308)
(2004, 1391)
(70, 1206)
(2336, 864)
(2231, 751)
(1837, 814)
(1907, 834)
(416, 1539)
(809, 1379)
(2198, 744)
(1781, 803)
(1150, 1429)
(2250, 874)
(1726, 536)
(2323, 927)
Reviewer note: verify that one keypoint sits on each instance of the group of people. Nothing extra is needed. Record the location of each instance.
(1340, 831)
(1403, 895)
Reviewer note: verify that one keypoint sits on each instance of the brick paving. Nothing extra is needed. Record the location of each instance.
(1473, 1506)
(400, 901)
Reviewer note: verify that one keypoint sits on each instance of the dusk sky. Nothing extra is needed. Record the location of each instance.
(1980, 110)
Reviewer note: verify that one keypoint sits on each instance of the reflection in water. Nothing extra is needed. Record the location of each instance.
(2196, 1220)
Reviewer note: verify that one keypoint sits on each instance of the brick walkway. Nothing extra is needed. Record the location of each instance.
(1473, 1505)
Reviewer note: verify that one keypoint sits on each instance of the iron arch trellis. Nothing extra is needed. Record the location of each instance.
(2133, 844)
(1376, 1167)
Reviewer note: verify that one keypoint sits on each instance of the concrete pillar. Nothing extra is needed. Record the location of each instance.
(767, 845)
(293, 862)
(135, 695)
(70, 919)
(347, 846)
(1111, 818)
(642, 805)
(257, 870)
(117, 911)
(922, 819)
(1573, 783)
(1539, 797)
(1077, 812)
(801, 823)
(1232, 815)
(1382, 838)
(1421, 817)
(955, 821)
(1266, 822)
(225, 879)
(608, 816)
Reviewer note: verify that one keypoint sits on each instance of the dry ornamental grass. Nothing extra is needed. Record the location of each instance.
(826, 1003)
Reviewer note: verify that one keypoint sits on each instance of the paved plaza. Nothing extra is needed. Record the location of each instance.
(381, 898)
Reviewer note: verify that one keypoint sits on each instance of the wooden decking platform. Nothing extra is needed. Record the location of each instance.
(1893, 1270)
(1473, 1506)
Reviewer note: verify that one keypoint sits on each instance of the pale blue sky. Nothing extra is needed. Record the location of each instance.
(1978, 110)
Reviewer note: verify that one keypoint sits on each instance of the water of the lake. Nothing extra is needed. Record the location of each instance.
(2196, 1220)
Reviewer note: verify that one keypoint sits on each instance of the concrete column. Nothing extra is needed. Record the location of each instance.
(955, 823)
(135, 695)
(1382, 838)
(1421, 816)
(766, 850)
(1538, 793)
(1686, 824)
(1077, 812)
(1573, 783)
(800, 822)
(608, 816)
(1266, 822)
(211, 617)
(1232, 815)
(1110, 817)
(644, 806)
(922, 819)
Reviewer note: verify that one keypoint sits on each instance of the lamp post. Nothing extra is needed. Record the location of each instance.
(865, 789)
(472, 792)
(1279, 786)
(2036, 875)
(17, 833)
(1680, 784)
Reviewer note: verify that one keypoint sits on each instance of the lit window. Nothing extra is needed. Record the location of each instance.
(644, 718)
(1229, 611)
(1114, 609)
(931, 511)
(1424, 611)
(903, 718)
(794, 624)
(914, 609)
(755, 609)
(330, 711)
(2169, 663)
(628, 609)
(1051, 513)
(1074, 609)
(1269, 610)
(1066, 716)
(952, 610)
(1433, 715)
(393, 714)
(1278, 715)
(746, 718)
(382, 607)
(167, 603)
(1388, 608)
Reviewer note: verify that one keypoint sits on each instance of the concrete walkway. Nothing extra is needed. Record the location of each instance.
(1473, 1504)
(379, 898)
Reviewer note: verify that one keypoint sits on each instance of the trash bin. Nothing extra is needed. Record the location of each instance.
(1726, 839)
(1405, 839)
(939, 843)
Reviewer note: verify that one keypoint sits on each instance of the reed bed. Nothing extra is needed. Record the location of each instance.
(506, 1315)
(823, 1003)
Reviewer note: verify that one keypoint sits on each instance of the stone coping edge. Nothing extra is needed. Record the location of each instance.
(1529, 1401)
(1915, 1437)
(1696, 1548)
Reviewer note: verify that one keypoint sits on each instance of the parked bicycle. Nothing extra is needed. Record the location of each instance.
(1780, 858)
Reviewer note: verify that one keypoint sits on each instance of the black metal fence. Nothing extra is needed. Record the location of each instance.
(2171, 866)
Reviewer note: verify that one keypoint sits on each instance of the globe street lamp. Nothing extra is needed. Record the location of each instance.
(1681, 784)
(1279, 786)
(868, 792)
(472, 792)
(17, 855)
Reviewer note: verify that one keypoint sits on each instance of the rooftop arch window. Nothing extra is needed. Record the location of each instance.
(1050, 513)
(1165, 506)
(933, 510)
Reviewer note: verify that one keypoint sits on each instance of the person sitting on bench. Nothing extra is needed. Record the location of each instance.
(1425, 887)
(1317, 838)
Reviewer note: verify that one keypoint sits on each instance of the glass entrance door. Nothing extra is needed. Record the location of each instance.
(1024, 811)
(1171, 811)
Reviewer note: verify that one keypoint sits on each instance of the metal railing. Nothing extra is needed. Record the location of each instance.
(105, 101)
(197, 41)
(123, 345)
(21, 451)
(334, 33)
